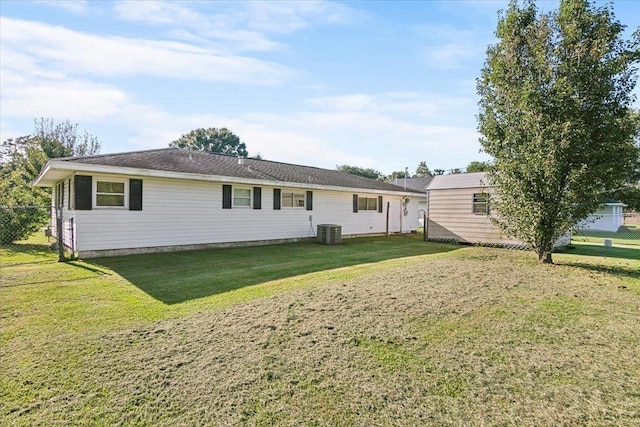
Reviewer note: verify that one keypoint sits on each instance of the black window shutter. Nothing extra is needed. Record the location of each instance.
(379, 203)
(226, 196)
(135, 194)
(83, 189)
(257, 198)
(69, 194)
(309, 203)
(277, 199)
(355, 203)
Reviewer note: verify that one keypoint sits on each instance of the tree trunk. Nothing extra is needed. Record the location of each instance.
(544, 257)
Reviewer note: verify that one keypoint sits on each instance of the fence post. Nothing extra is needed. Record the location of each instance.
(425, 228)
(386, 233)
(60, 232)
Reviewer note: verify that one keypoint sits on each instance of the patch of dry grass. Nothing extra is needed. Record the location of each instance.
(477, 336)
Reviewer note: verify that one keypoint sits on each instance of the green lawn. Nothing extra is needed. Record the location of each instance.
(373, 332)
(630, 236)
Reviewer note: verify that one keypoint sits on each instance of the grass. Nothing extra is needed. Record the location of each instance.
(240, 267)
(628, 237)
(374, 332)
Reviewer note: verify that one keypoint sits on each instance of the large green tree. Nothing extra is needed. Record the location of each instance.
(555, 98)
(21, 158)
(212, 140)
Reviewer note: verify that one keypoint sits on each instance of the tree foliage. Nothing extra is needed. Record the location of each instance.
(476, 166)
(212, 140)
(21, 159)
(356, 170)
(397, 175)
(63, 140)
(422, 170)
(555, 97)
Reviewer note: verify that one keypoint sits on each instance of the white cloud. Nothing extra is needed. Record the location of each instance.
(75, 53)
(234, 26)
(76, 6)
(344, 103)
(157, 12)
(448, 47)
(290, 16)
(81, 100)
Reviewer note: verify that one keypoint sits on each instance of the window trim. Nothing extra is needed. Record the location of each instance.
(477, 201)
(249, 197)
(125, 193)
(368, 198)
(302, 196)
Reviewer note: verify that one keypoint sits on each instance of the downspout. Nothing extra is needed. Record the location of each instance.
(401, 211)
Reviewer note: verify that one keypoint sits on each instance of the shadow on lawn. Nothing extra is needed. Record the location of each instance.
(619, 271)
(625, 252)
(182, 276)
(606, 252)
(26, 253)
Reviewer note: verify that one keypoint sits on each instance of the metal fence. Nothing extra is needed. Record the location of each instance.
(30, 234)
(610, 229)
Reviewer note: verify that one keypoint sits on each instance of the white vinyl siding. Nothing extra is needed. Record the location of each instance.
(181, 212)
(607, 218)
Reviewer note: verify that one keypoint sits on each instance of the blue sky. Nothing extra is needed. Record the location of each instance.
(374, 84)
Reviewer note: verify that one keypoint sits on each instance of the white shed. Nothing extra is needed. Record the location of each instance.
(607, 218)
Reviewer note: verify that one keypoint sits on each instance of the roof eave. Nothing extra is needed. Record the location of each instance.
(44, 179)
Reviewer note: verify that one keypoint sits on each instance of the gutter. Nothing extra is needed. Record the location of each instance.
(61, 165)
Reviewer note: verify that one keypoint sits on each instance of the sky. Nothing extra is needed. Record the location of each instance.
(375, 84)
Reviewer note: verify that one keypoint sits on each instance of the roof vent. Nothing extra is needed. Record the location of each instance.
(241, 160)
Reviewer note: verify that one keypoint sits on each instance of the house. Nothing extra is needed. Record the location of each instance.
(176, 199)
(459, 209)
(608, 217)
(418, 184)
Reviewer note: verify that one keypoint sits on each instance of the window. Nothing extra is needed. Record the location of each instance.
(367, 203)
(109, 194)
(60, 195)
(293, 200)
(481, 203)
(242, 197)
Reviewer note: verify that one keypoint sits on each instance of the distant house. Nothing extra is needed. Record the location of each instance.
(608, 217)
(459, 209)
(174, 199)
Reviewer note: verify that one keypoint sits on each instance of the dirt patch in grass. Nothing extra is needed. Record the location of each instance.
(476, 337)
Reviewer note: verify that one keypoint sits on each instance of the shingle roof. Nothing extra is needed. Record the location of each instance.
(199, 162)
(419, 183)
(459, 180)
